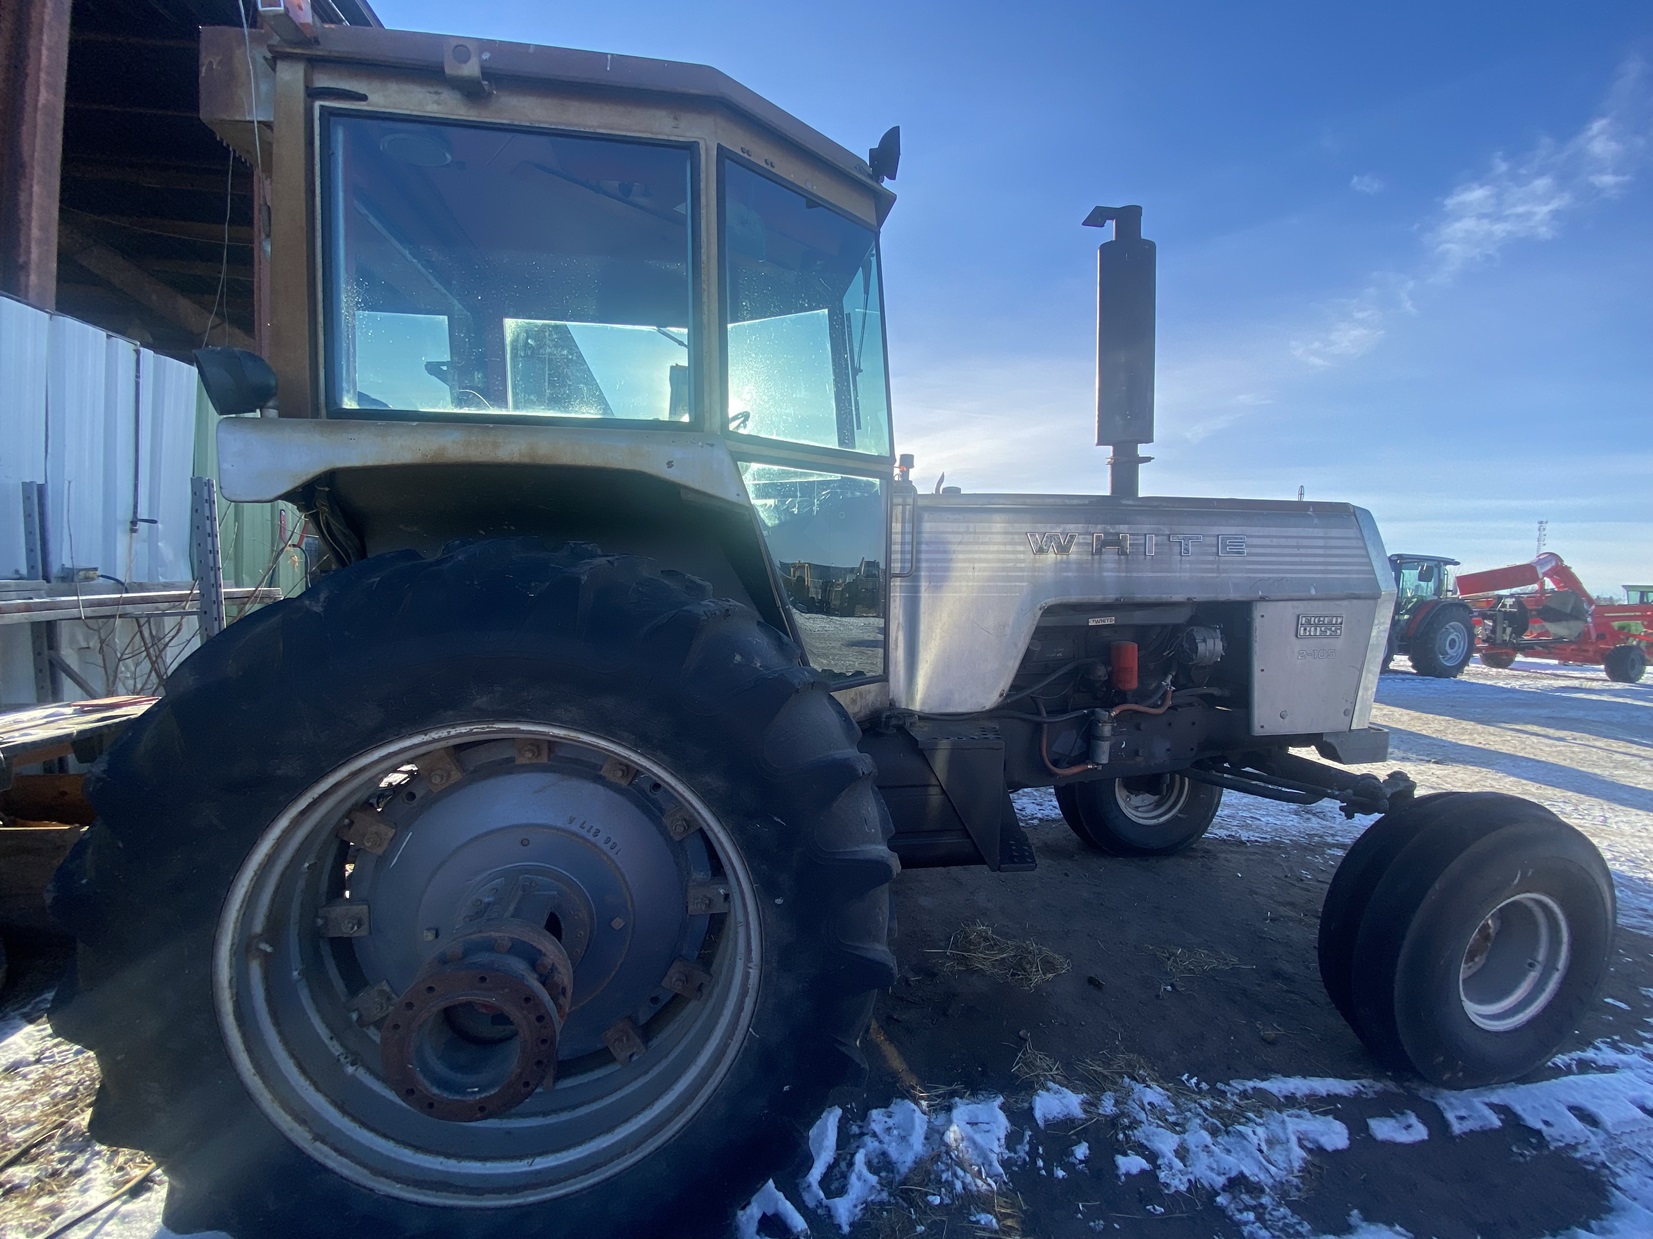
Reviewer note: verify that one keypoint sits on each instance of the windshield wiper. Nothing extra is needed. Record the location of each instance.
(672, 338)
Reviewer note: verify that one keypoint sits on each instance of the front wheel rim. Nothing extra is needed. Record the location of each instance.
(1515, 962)
(284, 990)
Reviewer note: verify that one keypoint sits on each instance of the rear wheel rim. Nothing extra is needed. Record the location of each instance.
(1452, 644)
(1153, 806)
(607, 838)
(1515, 962)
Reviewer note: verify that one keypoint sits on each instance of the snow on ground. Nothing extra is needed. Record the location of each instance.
(1567, 737)
(1246, 1144)
(50, 1168)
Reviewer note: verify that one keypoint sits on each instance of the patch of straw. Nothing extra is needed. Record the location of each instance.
(1182, 961)
(977, 948)
(1036, 1067)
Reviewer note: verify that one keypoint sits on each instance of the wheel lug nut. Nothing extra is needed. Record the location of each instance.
(502, 944)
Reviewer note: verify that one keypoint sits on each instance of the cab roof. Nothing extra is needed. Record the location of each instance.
(596, 71)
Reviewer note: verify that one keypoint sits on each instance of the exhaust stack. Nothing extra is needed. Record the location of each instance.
(1125, 302)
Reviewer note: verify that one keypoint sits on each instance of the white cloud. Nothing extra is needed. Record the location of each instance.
(1522, 199)
(1357, 323)
(1367, 184)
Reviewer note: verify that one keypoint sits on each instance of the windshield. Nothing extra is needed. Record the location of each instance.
(1416, 579)
(805, 340)
(485, 270)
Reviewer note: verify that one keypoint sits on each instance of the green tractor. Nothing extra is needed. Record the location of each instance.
(1432, 626)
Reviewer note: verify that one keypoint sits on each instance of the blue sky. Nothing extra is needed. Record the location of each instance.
(1406, 251)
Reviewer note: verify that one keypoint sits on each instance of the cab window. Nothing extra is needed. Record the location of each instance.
(804, 319)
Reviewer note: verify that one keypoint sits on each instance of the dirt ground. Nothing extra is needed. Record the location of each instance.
(1181, 1074)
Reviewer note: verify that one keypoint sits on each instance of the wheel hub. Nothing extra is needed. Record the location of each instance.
(1451, 644)
(1154, 800)
(442, 870)
(475, 1035)
(1515, 962)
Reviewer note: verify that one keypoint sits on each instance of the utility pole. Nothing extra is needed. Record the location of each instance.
(1543, 535)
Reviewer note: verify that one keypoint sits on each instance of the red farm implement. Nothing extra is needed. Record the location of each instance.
(1542, 610)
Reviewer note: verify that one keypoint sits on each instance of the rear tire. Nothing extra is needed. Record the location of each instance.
(1443, 645)
(1501, 659)
(1481, 941)
(1151, 815)
(1625, 663)
(725, 765)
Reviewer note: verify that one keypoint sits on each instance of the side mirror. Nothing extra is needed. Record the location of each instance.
(236, 381)
(1426, 573)
(885, 158)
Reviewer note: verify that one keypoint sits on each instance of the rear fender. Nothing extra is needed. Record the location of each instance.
(424, 507)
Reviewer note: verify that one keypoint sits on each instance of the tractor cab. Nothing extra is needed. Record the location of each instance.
(571, 296)
(1420, 578)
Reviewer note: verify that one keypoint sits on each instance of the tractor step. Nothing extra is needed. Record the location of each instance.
(1015, 848)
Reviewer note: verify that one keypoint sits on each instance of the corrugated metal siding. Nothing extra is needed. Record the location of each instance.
(114, 432)
(113, 547)
(110, 429)
(167, 399)
(76, 361)
(22, 423)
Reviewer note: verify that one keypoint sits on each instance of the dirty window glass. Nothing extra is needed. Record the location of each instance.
(826, 535)
(488, 271)
(805, 333)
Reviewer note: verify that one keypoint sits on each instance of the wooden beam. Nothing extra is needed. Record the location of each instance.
(144, 288)
(190, 179)
(124, 40)
(236, 272)
(182, 229)
(130, 109)
(34, 65)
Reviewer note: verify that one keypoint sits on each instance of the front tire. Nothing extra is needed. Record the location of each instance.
(1625, 664)
(1443, 645)
(1150, 815)
(568, 729)
(1482, 938)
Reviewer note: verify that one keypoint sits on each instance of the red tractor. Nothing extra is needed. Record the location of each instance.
(1432, 626)
(1556, 617)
